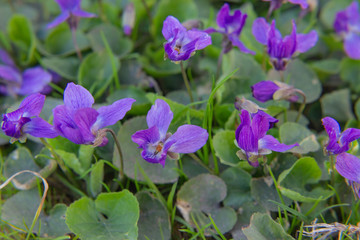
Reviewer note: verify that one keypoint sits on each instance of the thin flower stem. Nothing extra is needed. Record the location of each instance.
(117, 143)
(77, 49)
(281, 76)
(198, 160)
(302, 106)
(332, 169)
(186, 81)
(278, 191)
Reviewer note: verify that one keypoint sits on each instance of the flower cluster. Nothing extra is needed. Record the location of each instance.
(339, 143)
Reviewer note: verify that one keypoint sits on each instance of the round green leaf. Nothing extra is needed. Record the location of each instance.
(200, 197)
(350, 73)
(293, 181)
(20, 209)
(65, 67)
(263, 227)
(119, 45)
(225, 147)
(291, 132)
(111, 216)
(238, 185)
(154, 221)
(59, 41)
(337, 104)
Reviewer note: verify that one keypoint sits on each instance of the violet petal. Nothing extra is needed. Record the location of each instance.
(109, 115)
(188, 139)
(269, 142)
(160, 115)
(76, 97)
(38, 127)
(348, 166)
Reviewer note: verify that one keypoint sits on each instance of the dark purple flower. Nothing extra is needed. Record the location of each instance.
(253, 108)
(275, 4)
(26, 119)
(32, 80)
(348, 166)
(77, 121)
(252, 140)
(157, 143)
(181, 43)
(347, 25)
(338, 142)
(282, 49)
(231, 26)
(128, 19)
(273, 90)
(70, 12)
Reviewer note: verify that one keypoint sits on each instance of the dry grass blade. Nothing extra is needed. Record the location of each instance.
(25, 187)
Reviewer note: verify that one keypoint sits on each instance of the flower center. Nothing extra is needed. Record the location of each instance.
(159, 148)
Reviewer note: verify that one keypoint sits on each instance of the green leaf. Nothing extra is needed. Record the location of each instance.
(182, 10)
(95, 72)
(142, 104)
(21, 33)
(71, 160)
(330, 66)
(119, 45)
(21, 159)
(238, 185)
(263, 191)
(154, 221)
(302, 77)
(111, 216)
(225, 147)
(201, 196)
(250, 72)
(132, 156)
(96, 178)
(263, 227)
(357, 109)
(85, 155)
(291, 132)
(293, 181)
(59, 42)
(337, 104)
(350, 73)
(65, 67)
(19, 210)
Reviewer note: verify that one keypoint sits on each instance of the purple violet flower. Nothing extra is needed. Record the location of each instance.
(348, 166)
(77, 121)
(26, 119)
(181, 43)
(70, 12)
(275, 4)
(32, 80)
(157, 143)
(264, 91)
(231, 27)
(252, 140)
(253, 108)
(347, 25)
(338, 142)
(282, 49)
(128, 19)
